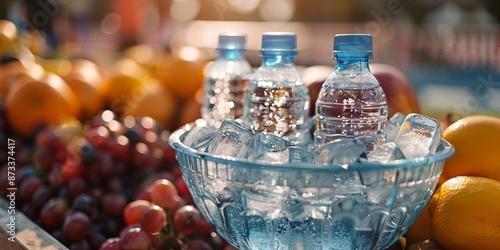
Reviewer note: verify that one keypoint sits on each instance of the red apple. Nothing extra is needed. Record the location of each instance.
(398, 90)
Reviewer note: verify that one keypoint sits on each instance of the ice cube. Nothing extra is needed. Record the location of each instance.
(418, 136)
(231, 139)
(299, 155)
(340, 151)
(265, 201)
(385, 153)
(393, 125)
(268, 147)
(200, 135)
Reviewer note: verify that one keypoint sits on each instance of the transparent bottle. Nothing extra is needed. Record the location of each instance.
(351, 103)
(226, 80)
(277, 100)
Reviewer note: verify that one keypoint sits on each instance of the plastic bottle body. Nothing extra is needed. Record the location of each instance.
(225, 85)
(277, 100)
(351, 103)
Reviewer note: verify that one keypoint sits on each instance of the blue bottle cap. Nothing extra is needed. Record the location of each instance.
(280, 42)
(237, 41)
(352, 46)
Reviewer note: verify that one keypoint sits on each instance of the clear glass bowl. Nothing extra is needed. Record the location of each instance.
(303, 206)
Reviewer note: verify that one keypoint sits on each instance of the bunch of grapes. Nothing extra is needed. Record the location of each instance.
(109, 183)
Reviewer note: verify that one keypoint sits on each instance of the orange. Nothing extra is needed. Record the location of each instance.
(475, 139)
(465, 213)
(37, 102)
(154, 101)
(143, 54)
(87, 82)
(14, 72)
(59, 66)
(182, 77)
(421, 229)
(125, 76)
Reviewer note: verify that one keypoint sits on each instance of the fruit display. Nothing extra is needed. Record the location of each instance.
(95, 171)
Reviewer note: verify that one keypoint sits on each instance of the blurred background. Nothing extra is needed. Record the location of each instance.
(449, 49)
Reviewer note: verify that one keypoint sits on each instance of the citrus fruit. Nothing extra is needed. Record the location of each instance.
(465, 213)
(143, 54)
(87, 82)
(421, 229)
(13, 72)
(475, 140)
(125, 76)
(190, 110)
(182, 77)
(154, 101)
(37, 102)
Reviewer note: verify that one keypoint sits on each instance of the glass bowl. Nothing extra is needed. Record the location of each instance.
(304, 206)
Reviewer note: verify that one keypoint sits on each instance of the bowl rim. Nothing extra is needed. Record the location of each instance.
(440, 156)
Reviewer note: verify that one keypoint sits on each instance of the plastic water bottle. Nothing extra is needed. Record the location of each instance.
(277, 101)
(351, 103)
(226, 80)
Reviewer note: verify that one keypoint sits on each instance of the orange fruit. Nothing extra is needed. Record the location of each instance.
(421, 229)
(87, 82)
(182, 77)
(142, 54)
(125, 76)
(59, 66)
(36, 102)
(13, 72)
(475, 140)
(154, 101)
(465, 213)
(190, 110)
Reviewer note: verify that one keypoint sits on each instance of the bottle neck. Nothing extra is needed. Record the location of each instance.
(352, 65)
(231, 54)
(283, 60)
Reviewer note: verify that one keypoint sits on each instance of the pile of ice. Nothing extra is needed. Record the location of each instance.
(407, 137)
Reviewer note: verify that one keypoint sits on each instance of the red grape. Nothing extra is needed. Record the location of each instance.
(133, 211)
(80, 245)
(111, 244)
(98, 137)
(153, 219)
(164, 194)
(113, 204)
(28, 187)
(77, 186)
(72, 167)
(76, 226)
(198, 244)
(135, 239)
(96, 239)
(182, 187)
(141, 155)
(44, 158)
(41, 196)
(186, 219)
(52, 213)
(121, 148)
(86, 204)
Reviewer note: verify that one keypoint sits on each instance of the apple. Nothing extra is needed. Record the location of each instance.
(398, 90)
(314, 77)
